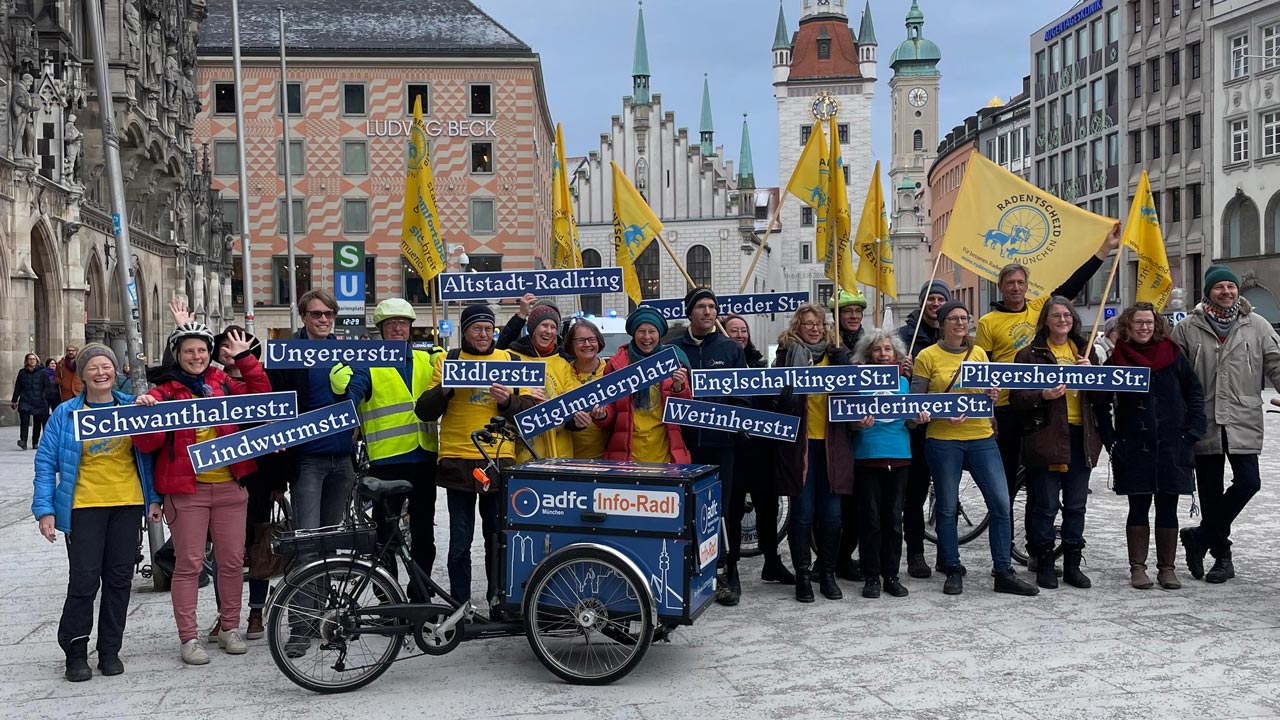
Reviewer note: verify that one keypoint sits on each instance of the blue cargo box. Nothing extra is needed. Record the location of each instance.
(664, 517)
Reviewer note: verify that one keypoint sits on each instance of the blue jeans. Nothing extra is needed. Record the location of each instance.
(816, 503)
(321, 492)
(947, 459)
(1046, 487)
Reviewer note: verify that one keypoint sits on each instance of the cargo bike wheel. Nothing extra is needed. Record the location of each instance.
(314, 634)
(588, 615)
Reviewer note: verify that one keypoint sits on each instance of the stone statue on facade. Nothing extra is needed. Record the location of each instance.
(182, 222)
(72, 138)
(23, 107)
(155, 45)
(133, 31)
(172, 80)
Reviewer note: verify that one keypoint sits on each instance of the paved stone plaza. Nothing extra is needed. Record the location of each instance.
(1109, 652)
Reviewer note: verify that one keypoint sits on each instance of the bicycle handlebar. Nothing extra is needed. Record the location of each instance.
(495, 434)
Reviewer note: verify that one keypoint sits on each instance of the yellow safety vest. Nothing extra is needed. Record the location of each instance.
(388, 422)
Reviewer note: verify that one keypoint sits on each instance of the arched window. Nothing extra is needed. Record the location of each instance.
(592, 304)
(1271, 240)
(917, 141)
(1240, 227)
(698, 262)
(648, 273)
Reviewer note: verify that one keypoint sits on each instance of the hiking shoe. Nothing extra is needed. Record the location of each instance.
(1195, 551)
(255, 630)
(231, 642)
(1221, 571)
(193, 653)
(954, 584)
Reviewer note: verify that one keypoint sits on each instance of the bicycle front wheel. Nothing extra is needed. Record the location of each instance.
(314, 635)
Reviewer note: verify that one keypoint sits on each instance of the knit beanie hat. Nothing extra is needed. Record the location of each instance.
(646, 314)
(694, 296)
(542, 312)
(91, 351)
(1216, 274)
(937, 287)
(951, 306)
(476, 313)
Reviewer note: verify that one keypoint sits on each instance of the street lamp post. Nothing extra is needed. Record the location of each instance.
(463, 262)
(242, 174)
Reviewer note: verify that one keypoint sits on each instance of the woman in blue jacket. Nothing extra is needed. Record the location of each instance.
(94, 492)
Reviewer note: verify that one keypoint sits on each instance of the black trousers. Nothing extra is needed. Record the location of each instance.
(732, 494)
(422, 510)
(850, 517)
(917, 494)
(37, 426)
(101, 549)
(1221, 507)
(764, 499)
(880, 492)
(1009, 440)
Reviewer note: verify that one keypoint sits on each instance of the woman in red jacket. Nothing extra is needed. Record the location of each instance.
(197, 505)
(635, 421)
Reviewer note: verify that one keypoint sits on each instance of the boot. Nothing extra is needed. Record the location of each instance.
(1009, 582)
(800, 560)
(1045, 577)
(255, 630)
(731, 591)
(1138, 538)
(917, 566)
(775, 571)
(22, 444)
(849, 569)
(828, 547)
(1166, 558)
(1221, 571)
(1195, 550)
(1071, 575)
(110, 665)
(954, 584)
(78, 660)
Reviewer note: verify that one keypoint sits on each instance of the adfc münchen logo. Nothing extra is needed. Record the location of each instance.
(1022, 230)
(525, 502)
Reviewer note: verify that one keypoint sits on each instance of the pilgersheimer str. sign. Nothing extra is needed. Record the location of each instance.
(434, 128)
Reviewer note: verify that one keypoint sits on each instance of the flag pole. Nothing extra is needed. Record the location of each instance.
(288, 177)
(782, 196)
(920, 315)
(1106, 291)
(879, 277)
(684, 272)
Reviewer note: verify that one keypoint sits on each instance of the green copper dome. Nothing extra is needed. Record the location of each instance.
(916, 55)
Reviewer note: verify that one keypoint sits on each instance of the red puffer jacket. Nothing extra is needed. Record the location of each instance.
(174, 473)
(620, 418)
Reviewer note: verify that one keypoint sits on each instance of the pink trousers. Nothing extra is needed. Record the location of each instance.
(215, 510)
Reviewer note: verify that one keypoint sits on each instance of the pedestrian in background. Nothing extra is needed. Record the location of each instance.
(93, 492)
(1153, 457)
(65, 375)
(31, 390)
(1233, 350)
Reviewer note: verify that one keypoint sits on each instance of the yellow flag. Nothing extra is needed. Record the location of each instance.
(810, 182)
(566, 250)
(1142, 235)
(838, 260)
(634, 227)
(875, 257)
(421, 237)
(999, 219)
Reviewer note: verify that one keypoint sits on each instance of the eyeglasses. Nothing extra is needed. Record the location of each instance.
(397, 322)
(811, 325)
(1144, 323)
(321, 314)
(585, 341)
(1060, 316)
(958, 320)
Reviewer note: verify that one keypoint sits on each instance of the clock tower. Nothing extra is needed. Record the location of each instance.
(821, 70)
(913, 98)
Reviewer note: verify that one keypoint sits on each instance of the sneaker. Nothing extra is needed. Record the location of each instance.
(894, 587)
(1009, 582)
(937, 565)
(22, 444)
(917, 566)
(231, 642)
(212, 636)
(871, 588)
(955, 582)
(193, 653)
(255, 630)
(1221, 571)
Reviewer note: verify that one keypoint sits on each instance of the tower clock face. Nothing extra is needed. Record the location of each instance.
(918, 97)
(825, 106)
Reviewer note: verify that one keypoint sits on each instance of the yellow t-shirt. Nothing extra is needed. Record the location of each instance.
(467, 411)
(591, 442)
(556, 441)
(1003, 334)
(108, 475)
(939, 366)
(1066, 355)
(649, 441)
(217, 475)
(817, 415)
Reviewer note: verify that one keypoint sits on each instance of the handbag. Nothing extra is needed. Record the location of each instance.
(265, 563)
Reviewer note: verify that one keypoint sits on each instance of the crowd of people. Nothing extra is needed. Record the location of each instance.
(857, 489)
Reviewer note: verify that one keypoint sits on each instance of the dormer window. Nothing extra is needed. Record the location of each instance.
(824, 49)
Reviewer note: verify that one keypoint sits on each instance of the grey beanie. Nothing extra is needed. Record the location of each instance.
(91, 351)
(937, 287)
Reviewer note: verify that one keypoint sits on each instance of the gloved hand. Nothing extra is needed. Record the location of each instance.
(339, 378)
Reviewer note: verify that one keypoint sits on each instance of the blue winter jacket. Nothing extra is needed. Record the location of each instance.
(887, 439)
(58, 464)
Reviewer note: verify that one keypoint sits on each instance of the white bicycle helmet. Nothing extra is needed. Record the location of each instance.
(189, 330)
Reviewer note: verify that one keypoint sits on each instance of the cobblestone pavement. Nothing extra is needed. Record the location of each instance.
(1108, 652)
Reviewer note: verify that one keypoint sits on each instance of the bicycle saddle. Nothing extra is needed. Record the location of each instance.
(376, 489)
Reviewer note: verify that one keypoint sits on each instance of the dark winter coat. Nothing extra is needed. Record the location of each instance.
(31, 391)
(753, 456)
(792, 459)
(927, 336)
(1156, 433)
(715, 352)
(1046, 435)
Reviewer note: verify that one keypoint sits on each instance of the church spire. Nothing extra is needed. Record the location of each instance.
(867, 33)
(746, 172)
(706, 130)
(781, 38)
(640, 64)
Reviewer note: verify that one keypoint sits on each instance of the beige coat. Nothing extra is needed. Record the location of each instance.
(1232, 373)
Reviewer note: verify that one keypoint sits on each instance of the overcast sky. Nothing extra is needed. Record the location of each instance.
(587, 45)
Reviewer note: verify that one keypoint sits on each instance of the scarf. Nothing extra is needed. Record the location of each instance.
(803, 354)
(195, 383)
(1155, 355)
(642, 399)
(1221, 319)
(850, 339)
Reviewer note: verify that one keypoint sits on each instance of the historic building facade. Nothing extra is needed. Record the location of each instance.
(714, 217)
(58, 275)
(350, 99)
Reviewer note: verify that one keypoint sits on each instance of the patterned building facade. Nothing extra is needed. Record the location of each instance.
(350, 98)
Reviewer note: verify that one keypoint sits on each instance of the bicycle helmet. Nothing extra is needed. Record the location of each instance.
(846, 299)
(190, 330)
(393, 308)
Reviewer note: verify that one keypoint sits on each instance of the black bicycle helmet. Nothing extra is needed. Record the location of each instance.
(189, 330)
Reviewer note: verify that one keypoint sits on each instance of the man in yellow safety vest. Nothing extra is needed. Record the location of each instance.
(400, 446)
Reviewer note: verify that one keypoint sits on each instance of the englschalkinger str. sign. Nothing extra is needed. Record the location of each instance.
(434, 128)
